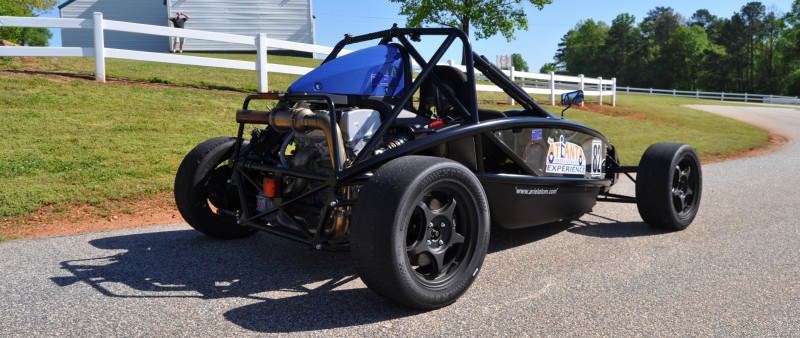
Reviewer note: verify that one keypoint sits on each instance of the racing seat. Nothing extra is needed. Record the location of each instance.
(455, 81)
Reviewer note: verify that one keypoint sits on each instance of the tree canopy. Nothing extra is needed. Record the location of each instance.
(25, 36)
(519, 62)
(754, 50)
(488, 17)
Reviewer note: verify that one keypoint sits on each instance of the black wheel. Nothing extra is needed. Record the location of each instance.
(202, 192)
(420, 231)
(669, 184)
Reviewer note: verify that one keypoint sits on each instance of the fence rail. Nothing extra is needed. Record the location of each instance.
(533, 83)
(721, 96)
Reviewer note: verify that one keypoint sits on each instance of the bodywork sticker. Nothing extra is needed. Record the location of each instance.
(565, 158)
(597, 158)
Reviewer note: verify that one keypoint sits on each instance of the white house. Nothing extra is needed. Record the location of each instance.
(290, 20)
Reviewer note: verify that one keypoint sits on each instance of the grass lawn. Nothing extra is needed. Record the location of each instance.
(68, 141)
(202, 77)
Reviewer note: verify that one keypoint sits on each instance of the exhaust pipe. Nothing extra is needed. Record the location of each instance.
(299, 120)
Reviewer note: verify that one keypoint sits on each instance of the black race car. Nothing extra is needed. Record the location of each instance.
(347, 159)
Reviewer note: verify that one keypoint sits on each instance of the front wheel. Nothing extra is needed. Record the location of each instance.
(203, 195)
(669, 184)
(420, 231)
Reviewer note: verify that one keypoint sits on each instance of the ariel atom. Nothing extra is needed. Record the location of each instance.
(407, 172)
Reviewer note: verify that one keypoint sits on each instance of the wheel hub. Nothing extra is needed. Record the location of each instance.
(682, 190)
(433, 247)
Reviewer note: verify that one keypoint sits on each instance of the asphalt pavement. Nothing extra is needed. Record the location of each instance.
(734, 272)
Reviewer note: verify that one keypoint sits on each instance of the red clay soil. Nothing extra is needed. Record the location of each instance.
(774, 142)
(50, 221)
(612, 111)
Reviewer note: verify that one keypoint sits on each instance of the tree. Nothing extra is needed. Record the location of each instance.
(487, 17)
(754, 50)
(548, 67)
(703, 18)
(684, 56)
(582, 47)
(766, 71)
(789, 46)
(753, 14)
(518, 62)
(659, 24)
(25, 36)
(625, 56)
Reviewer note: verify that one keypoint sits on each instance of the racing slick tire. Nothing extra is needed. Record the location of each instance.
(669, 185)
(202, 190)
(420, 231)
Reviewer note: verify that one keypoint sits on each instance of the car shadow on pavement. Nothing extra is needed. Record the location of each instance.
(612, 228)
(290, 287)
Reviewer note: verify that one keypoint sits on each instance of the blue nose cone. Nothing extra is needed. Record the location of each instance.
(373, 71)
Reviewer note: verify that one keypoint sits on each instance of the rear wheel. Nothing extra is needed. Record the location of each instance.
(420, 231)
(669, 185)
(203, 195)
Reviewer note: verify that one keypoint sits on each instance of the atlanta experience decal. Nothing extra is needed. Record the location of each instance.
(565, 158)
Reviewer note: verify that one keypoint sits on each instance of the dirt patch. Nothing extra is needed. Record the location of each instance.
(774, 142)
(616, 112)
(55, 221)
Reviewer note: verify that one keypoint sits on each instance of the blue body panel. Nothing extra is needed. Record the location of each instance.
(373, 71)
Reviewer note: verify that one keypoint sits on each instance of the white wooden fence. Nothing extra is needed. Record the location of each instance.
(533, 83)
(721, 96)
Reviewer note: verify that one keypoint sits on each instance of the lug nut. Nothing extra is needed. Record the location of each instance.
(429, 242)
(441, 242)
(442, 225)
(430, 225)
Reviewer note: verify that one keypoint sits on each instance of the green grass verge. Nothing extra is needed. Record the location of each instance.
(164, 73)
(640, 120)
(72, 141)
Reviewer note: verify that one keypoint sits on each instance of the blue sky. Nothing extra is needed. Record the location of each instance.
(537, 45)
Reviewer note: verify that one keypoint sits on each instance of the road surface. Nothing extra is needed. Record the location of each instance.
(735, 271)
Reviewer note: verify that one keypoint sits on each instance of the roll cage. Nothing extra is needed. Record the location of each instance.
(359, 171)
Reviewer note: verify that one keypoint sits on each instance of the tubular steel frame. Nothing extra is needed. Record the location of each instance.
(367, 160)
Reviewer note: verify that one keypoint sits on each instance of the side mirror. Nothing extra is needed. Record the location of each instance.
(568, 99)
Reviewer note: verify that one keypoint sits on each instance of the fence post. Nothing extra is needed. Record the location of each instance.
(697, 93)
(628, 89)
(745, 97)
(552, 88)
(674, 92)
(600, 88)
(722, 97)
(580, 85)
(99, 48)
(511, 75)
(613, 92)
(261, 62)
(651, 90)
